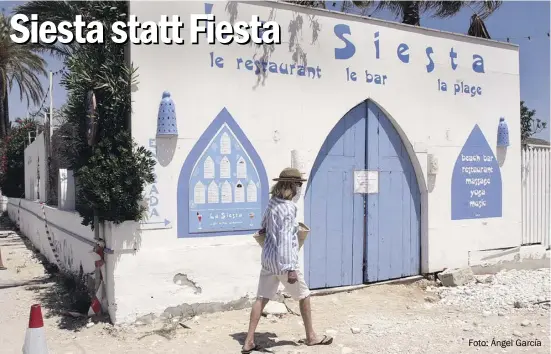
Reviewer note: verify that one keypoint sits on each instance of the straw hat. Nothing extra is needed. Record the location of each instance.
(290, 174)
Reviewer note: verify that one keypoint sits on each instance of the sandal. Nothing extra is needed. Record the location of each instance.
(249, 351)
(324, 341)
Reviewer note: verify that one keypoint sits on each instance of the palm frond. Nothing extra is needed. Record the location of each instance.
(478, 28)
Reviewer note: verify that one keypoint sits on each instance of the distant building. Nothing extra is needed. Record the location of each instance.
(536, 141)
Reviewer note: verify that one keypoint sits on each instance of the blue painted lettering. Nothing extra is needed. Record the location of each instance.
(377, 79)
(476, 180)
(402, 53)
(462, 88)
(442, 86)
(430, 65)
(349, 50)
(259, 67)
(154, 190)
(153, 213)
(453, 55)
(153, 201)
(478, 63)
(218, 61)
(350, 75)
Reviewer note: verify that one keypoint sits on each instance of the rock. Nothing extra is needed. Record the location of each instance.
(501, 313)
(355, 330)
(184, 325)
(90, 324)
(486, 313)
(456, 277)
(519, 304)
(275, 308)
(517, 334)
(430, 299)
(525, 323)
(146, 320)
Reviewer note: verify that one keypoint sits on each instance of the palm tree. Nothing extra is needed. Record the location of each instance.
(56, 12)
(410, 11)
(20, 64)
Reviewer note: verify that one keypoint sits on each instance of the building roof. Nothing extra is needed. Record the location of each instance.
(536, 141)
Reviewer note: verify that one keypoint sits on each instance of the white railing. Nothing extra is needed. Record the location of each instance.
(536, 195)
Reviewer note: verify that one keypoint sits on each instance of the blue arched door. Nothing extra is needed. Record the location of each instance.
(356, 237)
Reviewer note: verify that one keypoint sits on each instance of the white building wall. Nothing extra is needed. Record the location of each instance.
(72, 242)
(281, 113)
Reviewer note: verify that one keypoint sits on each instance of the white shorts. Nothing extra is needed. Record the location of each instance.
(268, 284)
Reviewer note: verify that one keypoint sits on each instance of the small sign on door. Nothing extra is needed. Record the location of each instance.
(366, 182)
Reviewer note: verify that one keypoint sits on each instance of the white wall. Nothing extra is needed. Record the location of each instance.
(35, 169)
(72, 241)
(281, 113)
(66, 190)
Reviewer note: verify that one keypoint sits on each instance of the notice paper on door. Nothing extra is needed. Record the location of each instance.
(366, 182)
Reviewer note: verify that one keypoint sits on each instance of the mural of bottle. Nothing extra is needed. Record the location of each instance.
(251, 216)
(502, 133)
(199, 218)
(166, 118)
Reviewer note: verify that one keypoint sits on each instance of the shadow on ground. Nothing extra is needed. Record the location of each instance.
(59, 293)
(265, 340)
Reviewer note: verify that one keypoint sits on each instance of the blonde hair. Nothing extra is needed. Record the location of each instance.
(284, 190)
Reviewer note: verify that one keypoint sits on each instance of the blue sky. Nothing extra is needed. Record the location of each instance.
(515, 19)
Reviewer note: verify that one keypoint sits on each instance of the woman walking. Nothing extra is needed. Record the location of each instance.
(280, 257)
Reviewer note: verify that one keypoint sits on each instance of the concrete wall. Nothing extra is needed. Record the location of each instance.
(35, 170)
(72, 242)
(66, 193)
(279, 113)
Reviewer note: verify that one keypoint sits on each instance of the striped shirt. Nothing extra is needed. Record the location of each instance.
(280, 251)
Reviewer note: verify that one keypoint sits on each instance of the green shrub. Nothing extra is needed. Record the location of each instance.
(12, 158)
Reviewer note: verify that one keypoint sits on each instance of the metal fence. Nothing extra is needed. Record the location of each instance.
(536, 195)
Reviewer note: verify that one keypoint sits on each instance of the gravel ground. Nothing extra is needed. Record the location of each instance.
(501, 293)
(378, 319)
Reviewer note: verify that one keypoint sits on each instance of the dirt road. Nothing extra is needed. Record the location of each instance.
(378, 319)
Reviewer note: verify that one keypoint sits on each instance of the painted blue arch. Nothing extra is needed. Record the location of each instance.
(355, 237)
(240, 222)
(476, 189)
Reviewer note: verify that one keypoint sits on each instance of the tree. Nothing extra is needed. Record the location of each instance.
(12, 160)
(529, 124)
(20, 64)
(111, 174)
(410, 12)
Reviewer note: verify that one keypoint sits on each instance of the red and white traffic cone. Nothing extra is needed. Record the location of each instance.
(35, 338)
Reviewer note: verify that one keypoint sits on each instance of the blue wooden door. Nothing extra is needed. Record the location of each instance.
(334, 249)
(393, 247)
(357, 238)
